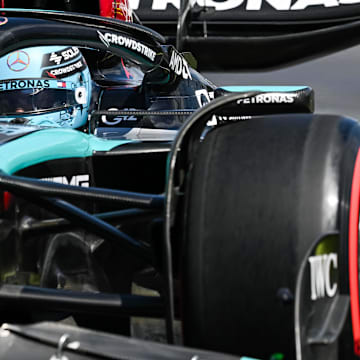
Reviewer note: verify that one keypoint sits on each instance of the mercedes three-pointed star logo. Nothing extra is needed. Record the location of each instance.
(18, 60)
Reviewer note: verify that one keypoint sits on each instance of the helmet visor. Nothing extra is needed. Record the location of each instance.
(35, 100)
(31, 100)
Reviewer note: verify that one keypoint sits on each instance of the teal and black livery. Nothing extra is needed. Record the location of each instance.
(271, 99)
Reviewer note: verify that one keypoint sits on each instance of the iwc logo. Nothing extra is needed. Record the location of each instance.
(321, 268)
(18, 61)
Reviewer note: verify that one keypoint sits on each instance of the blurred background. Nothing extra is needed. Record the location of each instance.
(334, 78)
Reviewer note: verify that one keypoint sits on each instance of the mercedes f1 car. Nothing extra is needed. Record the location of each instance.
(121, 165)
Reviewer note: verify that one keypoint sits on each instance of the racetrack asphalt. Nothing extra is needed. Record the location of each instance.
(334, 78)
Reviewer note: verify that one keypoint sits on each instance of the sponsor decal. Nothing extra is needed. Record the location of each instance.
(218, 120)
(249, 5)
(118, 119)
(213, 121)
(179, 65)
(109, 39)
(204, 97)
(3, 21)
(23, 84)
(65, 71)
(321, 267)
(54, 57)
(80, 95)
(18, 61)
(61, 84)
(77, 180)
(270, 98)
(233, 118)
(60, 57)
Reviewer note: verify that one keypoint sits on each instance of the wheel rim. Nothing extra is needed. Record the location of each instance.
(353, 254)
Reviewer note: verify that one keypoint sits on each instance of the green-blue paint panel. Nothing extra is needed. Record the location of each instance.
(51, 144)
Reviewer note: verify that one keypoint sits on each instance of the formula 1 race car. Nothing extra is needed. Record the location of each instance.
(245, 226)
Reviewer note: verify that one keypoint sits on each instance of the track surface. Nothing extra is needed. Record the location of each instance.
(334, 78)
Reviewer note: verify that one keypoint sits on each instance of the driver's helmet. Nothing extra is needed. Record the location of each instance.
(46, 86)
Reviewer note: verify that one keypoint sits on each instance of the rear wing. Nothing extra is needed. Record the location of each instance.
(252, 35)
